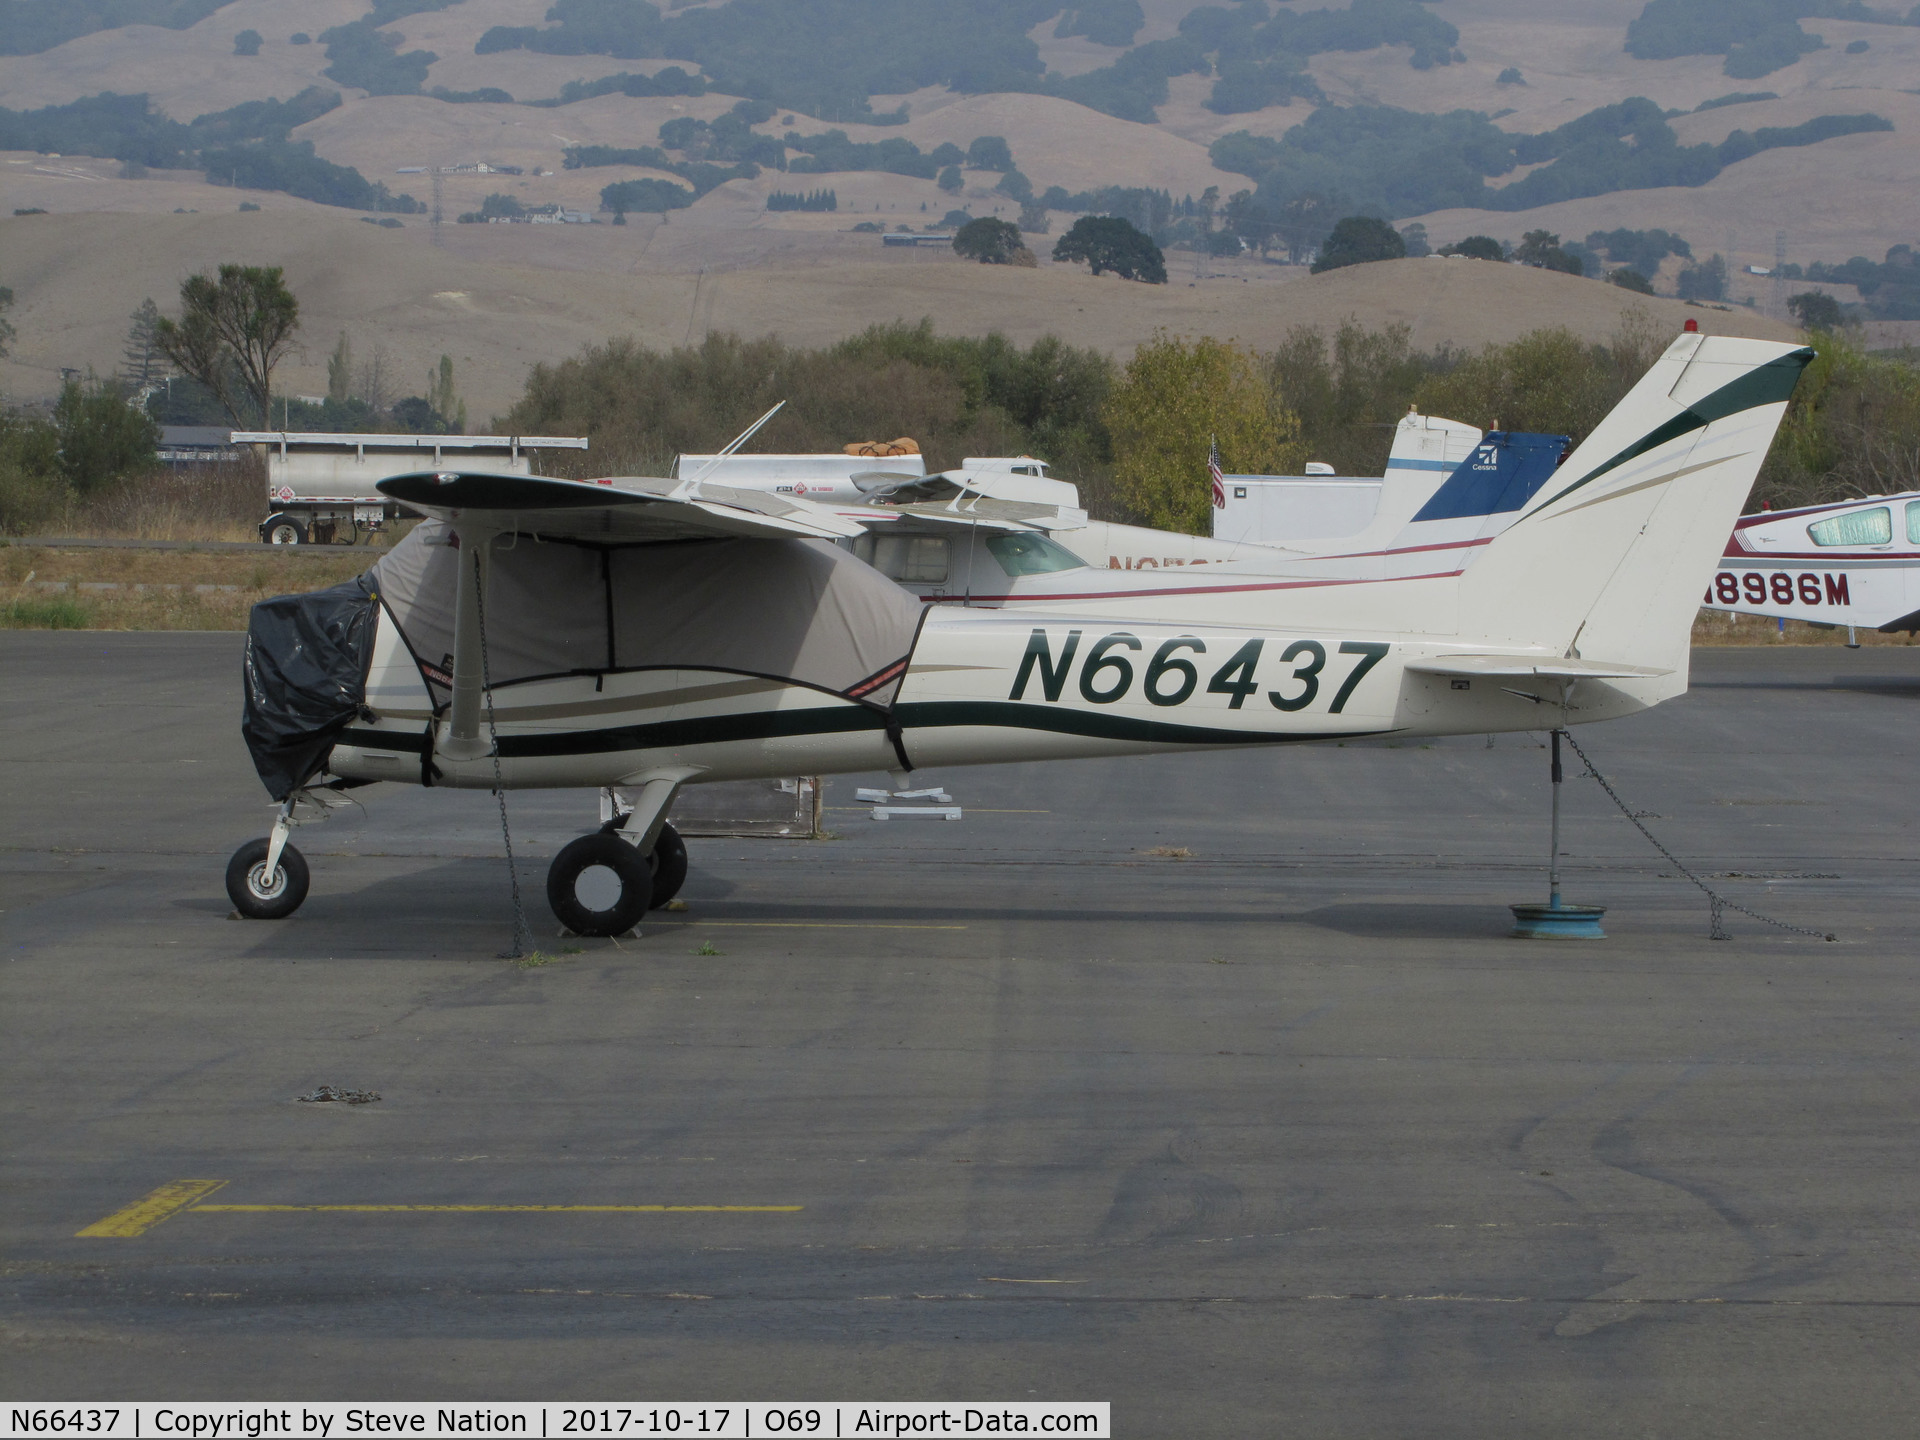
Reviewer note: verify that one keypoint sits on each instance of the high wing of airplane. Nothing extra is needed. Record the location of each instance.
(637, 636)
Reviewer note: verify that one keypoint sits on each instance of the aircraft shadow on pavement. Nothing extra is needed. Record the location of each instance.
(463, 905)
(1415, 921)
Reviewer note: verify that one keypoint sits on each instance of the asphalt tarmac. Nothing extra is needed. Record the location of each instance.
(1278, 1134)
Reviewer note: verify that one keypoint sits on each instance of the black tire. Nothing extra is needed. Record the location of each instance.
(283, 530)
(253, 894)
(669, 861)
(607, 852)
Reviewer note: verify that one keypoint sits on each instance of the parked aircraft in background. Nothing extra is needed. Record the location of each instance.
(1855, 563)
(633, 636)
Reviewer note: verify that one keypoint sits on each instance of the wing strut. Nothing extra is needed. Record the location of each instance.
(463, 740)
(739, 440)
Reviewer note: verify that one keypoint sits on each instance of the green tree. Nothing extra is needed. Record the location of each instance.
(1359, 240)
(951, 180)
(7, 332)
(231, 333)
(1704, 280)
(1817, 310)
(1541, 248)
(247, 42)
(1851, 429)
(451, 409)
(340, 371)
(102, 437)
(1175, 398)
(1250, 220)
(1350, 394)
(1106, 242)
(1549, 381)
(1632, 280)
(141, 363)
(1303, 222)
(989, 152)
(992, 242)
(32, 490)
(1476, 247)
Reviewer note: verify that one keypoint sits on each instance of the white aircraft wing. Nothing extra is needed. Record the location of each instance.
(616, 510)
(1009, 515)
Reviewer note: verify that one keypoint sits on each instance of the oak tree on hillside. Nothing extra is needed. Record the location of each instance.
(1106, 242)
(1816, 310)
(1477, 247)
(992, 242)
(1541, 248)
(1359, 240)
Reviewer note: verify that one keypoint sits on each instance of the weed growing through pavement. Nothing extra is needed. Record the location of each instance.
(707, 947)
(540, 959)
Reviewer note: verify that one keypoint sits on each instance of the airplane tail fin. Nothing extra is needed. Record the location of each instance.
(1609, 557)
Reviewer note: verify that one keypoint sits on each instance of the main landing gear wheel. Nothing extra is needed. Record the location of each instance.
(260, 896)
(600, 885)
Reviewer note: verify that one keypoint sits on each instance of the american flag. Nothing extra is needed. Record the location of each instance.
(1213, 473)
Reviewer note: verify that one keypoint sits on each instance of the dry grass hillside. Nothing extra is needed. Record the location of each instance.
(1862, 199)
(79, 277)
(498, 298)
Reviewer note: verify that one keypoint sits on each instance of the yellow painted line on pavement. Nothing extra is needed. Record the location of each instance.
(148, 1211)
(504, 1209)
(179, 1196)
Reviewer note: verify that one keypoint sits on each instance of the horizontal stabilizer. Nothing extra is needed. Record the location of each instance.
(626, 510)
(1546, 668)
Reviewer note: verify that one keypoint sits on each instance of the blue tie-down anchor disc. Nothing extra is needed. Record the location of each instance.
(1557, 920)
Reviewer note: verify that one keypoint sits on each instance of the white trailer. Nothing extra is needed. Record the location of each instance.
(320, 488)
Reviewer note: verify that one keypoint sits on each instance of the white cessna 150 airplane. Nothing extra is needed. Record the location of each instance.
(633, 636)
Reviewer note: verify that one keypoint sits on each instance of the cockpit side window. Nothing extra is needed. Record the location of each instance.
(1026, 553)
(1858, 527)
(911, 559)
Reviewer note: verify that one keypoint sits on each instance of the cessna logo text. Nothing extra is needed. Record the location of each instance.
(1108, 668)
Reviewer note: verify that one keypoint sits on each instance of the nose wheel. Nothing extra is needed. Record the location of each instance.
(265, 886)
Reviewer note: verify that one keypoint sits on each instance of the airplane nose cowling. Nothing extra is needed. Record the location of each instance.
(305, 679)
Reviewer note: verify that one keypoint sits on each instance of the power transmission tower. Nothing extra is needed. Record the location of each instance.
(433, 221)
(1779, 276)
